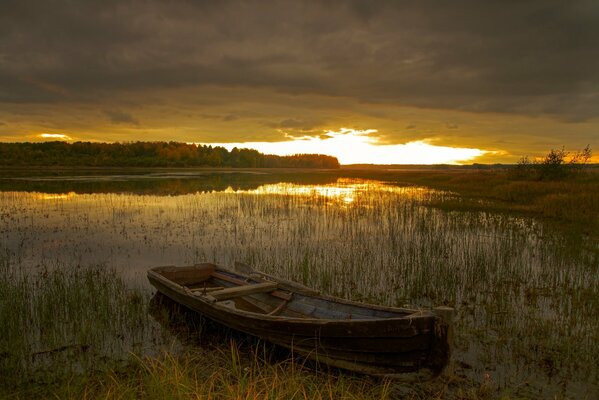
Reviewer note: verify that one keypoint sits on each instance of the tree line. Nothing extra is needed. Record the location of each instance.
(151, 154)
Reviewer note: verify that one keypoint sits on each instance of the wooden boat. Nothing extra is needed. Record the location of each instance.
(364, 338)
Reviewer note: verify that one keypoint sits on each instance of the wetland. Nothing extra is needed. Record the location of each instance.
(78, 317)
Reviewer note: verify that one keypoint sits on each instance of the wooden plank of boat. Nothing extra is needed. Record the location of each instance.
(297, 287)
(239, 291)
(204, 290)
(237, 281)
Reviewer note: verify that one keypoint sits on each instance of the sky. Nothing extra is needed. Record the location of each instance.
(367, 81)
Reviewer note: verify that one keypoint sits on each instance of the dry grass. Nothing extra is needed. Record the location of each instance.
(229, 375)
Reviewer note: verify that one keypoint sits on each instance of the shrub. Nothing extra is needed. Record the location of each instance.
(554, 165)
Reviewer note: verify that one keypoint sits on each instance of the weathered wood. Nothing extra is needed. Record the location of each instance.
(188, 275)
(376, 340)
(279, 308)
(239, 291)
(447, 315)
(250, 272)
(206, 289)
(227, 278)
(237, 281)
(264, 301)
(297, 287)
(444, 333)
(351, 345)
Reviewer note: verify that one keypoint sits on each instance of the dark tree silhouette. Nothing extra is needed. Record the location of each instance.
(555, 165)
(151, 154)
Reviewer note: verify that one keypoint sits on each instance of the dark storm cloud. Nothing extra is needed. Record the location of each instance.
(298, 127)
(527, 57)
(219, 117)
(120, 117)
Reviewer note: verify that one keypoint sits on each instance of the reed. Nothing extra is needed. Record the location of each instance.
(59, 321)
(572, 202)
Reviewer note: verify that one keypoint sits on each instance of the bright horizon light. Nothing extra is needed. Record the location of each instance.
(353, 146)
(56, 196)
(344, 190)
(58, 136)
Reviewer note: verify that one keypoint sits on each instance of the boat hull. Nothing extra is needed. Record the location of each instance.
(378, 346)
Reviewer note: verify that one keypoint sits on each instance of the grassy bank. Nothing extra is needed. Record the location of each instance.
(197, 376)
(572, 202)
(206, 376)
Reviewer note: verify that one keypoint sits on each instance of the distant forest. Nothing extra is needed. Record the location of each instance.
(150, 154)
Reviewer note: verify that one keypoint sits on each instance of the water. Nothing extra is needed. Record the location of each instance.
(526, 298)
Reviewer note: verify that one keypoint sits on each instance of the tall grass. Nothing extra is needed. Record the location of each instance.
(200, 376)
(59, 321)
(573, 202)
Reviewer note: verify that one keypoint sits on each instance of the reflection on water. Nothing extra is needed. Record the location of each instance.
(131, 231)
(343, 190)
(56, 196)
(526, 304)
(155, 183)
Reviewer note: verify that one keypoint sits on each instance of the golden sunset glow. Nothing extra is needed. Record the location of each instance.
(353, 146)
(56, 196)
(54, 136)
(343, 191)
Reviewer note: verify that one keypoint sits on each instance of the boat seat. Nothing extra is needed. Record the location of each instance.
(239, 282)
(239, 291)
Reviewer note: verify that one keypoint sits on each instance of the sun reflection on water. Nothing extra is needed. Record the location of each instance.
(55, 196)
(344, 190)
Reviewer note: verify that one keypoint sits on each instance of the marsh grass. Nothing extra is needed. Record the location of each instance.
(231, 375)
(571, 203)
(220, 376)
(526, 297)
(65, 320)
